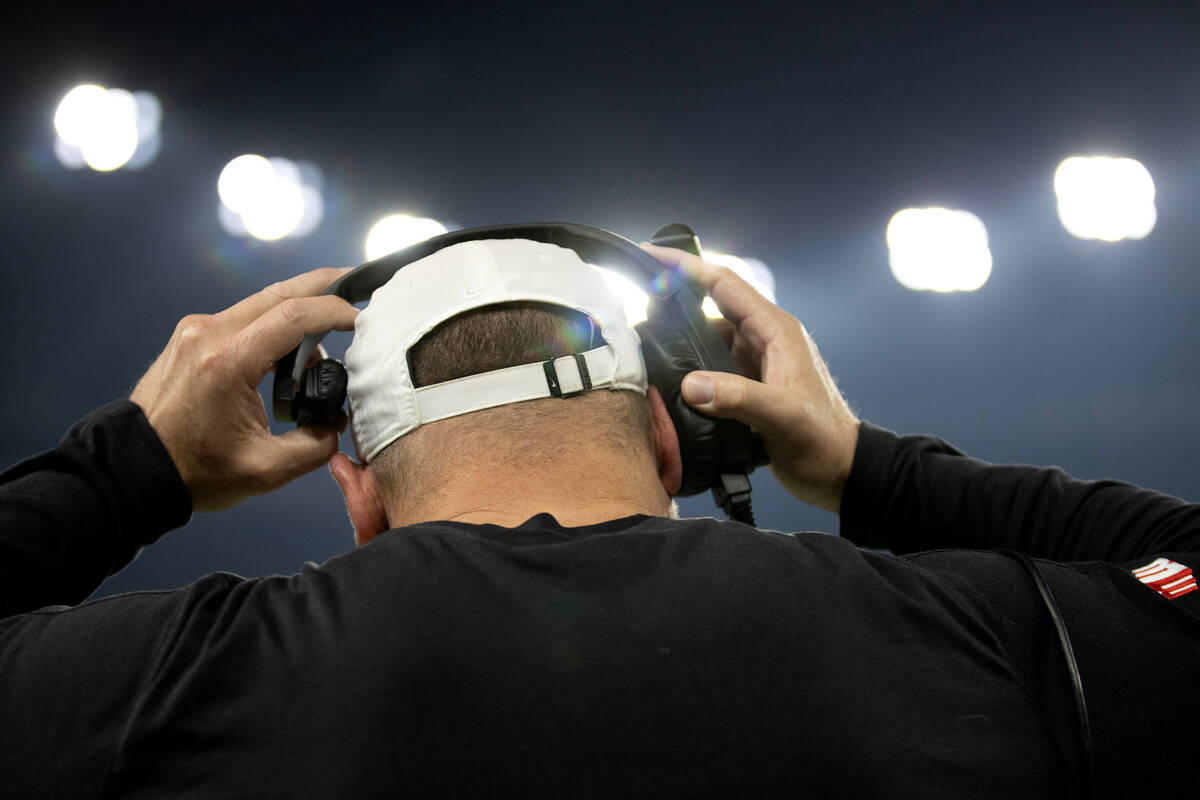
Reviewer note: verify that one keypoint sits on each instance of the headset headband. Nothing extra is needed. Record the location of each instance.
(676, 338)
(594, 245)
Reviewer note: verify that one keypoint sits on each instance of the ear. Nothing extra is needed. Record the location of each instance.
(363, 501)
(666, 444)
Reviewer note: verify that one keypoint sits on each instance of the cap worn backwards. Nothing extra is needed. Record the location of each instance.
(384, 404)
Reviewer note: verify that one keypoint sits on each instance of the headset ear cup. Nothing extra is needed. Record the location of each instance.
(322, 393)
(669, 357)
(283, 389)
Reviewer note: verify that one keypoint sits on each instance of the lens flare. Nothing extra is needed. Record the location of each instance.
(634, 301)
(269, 198)
(243, 181)
(106, 129)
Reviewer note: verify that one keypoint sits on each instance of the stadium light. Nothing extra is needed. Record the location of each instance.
(397, 231)
(269, 198)
(753, 271)
(938, 249)
(106, 129)
(1105, 198)
(635, 300)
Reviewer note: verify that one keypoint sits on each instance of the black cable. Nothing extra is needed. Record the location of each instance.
(1087, 776)
(732, 494)
(743, 513)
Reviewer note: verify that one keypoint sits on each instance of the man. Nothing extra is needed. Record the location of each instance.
(527, 618)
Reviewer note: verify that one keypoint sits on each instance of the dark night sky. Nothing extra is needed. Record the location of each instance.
(785, 131)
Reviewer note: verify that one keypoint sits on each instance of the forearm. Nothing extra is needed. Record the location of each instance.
(919, 493)
(78, 513)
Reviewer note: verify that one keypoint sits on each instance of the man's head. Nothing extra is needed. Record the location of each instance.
(599, 453)
(491, 338)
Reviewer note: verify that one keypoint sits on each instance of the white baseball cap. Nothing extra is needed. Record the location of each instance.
(384, 404)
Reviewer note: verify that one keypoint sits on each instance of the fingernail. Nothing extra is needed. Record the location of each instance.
(698, 389)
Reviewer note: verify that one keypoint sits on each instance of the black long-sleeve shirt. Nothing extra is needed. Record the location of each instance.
(640, 656)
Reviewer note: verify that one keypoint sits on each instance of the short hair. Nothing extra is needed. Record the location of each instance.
(494, 337)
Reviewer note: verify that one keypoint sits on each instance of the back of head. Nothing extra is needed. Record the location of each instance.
(534, 435)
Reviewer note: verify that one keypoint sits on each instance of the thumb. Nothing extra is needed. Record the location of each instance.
(729, 396)
(302, 450)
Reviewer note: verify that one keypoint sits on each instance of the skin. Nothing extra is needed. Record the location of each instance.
(642, 482)
(201, 393)
(201, 397)
(785, 390)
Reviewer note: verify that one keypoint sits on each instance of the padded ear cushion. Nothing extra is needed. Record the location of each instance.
(323, 393)
(708, 446)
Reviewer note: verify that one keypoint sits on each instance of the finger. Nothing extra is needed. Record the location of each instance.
(306, 284)
(693, 266)
(298, 452)
(736, 299)
(318, 354)
(258, 346)
(722, 394)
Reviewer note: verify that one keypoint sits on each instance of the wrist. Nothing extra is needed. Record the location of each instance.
(847, 447)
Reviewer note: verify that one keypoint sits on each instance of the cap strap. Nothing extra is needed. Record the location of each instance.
(564, 376)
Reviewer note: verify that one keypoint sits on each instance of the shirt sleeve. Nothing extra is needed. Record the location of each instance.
(76, 514)
(76, 678)
(916, 493)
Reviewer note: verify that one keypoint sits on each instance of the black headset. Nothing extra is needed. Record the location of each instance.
(676, 339)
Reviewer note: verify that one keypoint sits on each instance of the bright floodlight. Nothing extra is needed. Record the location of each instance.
(397, 231)
(268, 198)
(753, 271)
(106, 128)
(113, 137)
(633, 299)
(242, 181)
(939, 249)
(77, 110)
(1105, 198)
(278, 212)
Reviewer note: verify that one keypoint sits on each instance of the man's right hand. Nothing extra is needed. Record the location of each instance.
(785, 391)
(201, 394)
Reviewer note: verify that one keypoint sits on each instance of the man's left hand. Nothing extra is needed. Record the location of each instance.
(201, 394)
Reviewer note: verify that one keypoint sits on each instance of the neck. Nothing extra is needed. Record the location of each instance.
(574, 494)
